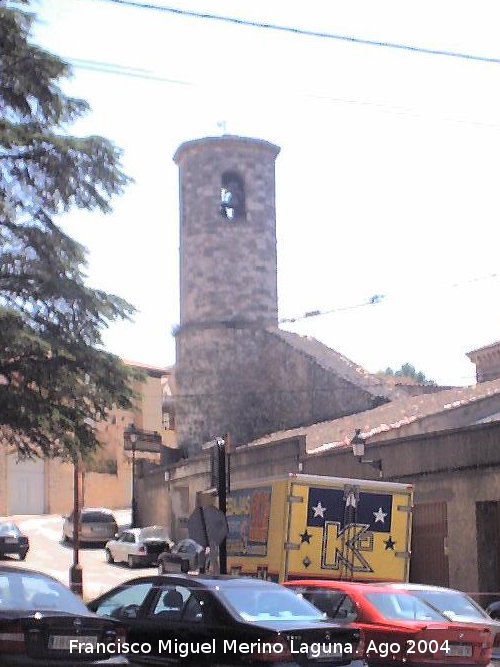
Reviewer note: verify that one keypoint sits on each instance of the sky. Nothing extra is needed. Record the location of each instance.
(386, 183)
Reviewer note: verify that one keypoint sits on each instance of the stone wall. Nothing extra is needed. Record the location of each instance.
(227, 267)
(249, 382)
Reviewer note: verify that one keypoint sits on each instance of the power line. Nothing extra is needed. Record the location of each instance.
(304, 32)
(149, 75)
(125, 70)
(378, 298)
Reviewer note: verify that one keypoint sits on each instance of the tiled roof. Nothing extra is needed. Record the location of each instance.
(388, 417)
(485, 348)
(343, 367)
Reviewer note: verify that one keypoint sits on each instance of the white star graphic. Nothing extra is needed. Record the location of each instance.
(379, 516)
(350, 500)
(319, 510)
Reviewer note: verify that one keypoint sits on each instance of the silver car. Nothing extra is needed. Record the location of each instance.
(456, 606)
(138, 546)
(97, 526)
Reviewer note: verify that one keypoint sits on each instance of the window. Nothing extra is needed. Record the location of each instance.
(335, 604)
(266, 604)
(115, 604)
(399, 606)
(22, 590)
(128, 537)
(177, 603)
(453, 605)
(232, 196)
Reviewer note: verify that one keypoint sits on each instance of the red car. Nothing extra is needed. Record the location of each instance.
(399, 628)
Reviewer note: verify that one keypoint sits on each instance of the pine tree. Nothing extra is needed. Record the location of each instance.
(55, 377)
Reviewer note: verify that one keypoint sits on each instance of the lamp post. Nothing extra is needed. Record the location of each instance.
(75, 571)
(358, 449)
(132, 434)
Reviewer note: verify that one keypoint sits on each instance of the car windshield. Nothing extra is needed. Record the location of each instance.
(263, 603)
(453, 604)
(33, 591)
(9, 529)
(402, 607)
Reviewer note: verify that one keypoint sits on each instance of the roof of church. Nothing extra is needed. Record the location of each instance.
(345, 368)
(391, 416)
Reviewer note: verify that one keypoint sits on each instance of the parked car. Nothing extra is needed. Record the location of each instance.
(97, 526)
(400, 629)
(185, 556)
(457, 606)
(42, 623)
(493, 610)
(138, 546)
(13, 541)
(224, 620)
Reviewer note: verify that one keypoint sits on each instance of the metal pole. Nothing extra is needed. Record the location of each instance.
(222, 489)
(134, 501)
(75, 571)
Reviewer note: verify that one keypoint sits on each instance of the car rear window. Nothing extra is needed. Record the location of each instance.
(271, 603)
(9, 528)
(453, 605)
(34, 591)
(402, 607)
(97, 517)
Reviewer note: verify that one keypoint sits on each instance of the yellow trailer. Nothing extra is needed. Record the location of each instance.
(310, 526)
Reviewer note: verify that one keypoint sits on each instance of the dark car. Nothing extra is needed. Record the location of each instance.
(224, 620)
(43, 623)
(97, 526)
(13, 541)
(185, 556)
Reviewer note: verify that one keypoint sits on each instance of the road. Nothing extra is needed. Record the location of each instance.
(49, 555)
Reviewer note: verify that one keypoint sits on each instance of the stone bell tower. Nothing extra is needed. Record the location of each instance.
(228, 281)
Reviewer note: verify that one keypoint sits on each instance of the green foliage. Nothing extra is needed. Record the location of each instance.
(55, 378)
(409, 371)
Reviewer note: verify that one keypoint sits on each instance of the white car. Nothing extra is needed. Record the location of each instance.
(138, 546)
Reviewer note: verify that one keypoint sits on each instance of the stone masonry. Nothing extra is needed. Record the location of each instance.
(235, 371)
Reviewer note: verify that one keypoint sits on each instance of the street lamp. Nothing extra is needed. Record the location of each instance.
(358, 449)
(132, 434)
(75, 571)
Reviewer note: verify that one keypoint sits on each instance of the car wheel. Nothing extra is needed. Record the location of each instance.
(109, 557)
(23, 555)
(131, 561)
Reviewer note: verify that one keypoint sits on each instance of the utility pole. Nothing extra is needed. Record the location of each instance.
(220, 445)
(75, 571)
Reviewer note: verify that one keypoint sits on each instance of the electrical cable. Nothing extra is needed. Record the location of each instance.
(304, 32)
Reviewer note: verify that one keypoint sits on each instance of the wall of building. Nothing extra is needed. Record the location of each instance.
(250, 382)
(148, 412)
(227, 267)
(99, 489)
(108, 476)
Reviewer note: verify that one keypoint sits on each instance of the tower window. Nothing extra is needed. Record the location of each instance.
(232, 196)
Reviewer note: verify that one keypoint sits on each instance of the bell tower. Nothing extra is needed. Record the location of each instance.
(228, 276)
